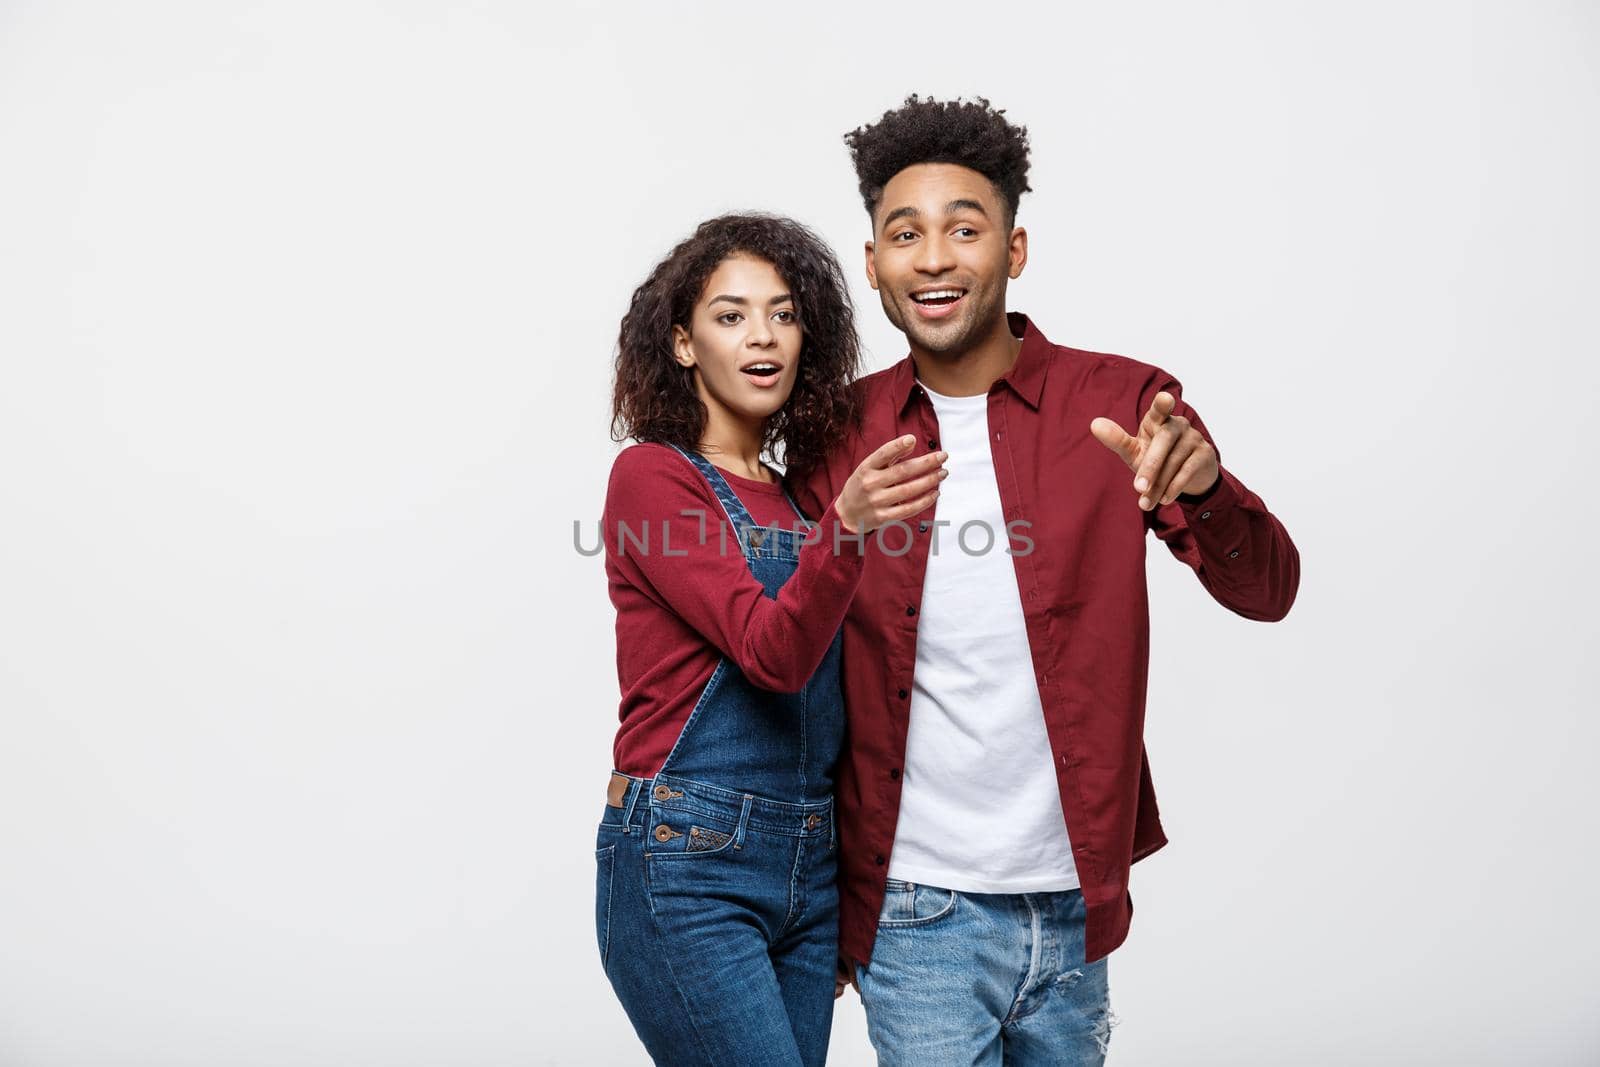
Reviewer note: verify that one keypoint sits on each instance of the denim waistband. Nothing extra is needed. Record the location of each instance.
(666, 792)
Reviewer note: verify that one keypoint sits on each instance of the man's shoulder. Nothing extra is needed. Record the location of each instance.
(873, 386)
(1108, 365)
(1081, 371)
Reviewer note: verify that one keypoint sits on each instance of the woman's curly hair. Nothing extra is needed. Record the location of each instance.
(972, 134)
(654, 399)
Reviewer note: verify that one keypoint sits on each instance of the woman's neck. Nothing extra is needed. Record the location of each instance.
(734, 444)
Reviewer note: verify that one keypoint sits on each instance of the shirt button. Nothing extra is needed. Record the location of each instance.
(1234, 554)
(922, 527)
(998, 435)
(933, 442)
(903, 694)
(911, 609)
(1205, 514)
(878, 860)
(894, 772)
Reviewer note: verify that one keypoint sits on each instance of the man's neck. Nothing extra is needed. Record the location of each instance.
(973, 370)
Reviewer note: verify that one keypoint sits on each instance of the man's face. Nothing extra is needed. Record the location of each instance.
(941, 255)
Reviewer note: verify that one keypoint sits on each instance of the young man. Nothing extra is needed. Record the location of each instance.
(995, 789)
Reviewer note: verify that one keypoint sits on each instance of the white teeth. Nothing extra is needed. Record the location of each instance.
(954, 294)
(762, 367)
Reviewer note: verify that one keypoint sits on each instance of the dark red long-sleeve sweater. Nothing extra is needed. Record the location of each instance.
(684, 602)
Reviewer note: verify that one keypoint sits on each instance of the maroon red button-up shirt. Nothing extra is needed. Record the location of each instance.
(1084, 599)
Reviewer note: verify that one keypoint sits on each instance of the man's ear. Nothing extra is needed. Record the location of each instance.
(872, 267)
(1017, 252)
(682, 350)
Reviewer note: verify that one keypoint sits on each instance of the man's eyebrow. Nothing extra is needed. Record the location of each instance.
(960, 204)
(907, 212)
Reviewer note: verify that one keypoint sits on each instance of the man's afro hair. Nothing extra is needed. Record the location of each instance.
(970, 133)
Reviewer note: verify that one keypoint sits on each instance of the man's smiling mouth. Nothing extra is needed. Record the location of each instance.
(936, 303)
(938, 297)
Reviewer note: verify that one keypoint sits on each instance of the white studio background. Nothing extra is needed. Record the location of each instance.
(306, 313)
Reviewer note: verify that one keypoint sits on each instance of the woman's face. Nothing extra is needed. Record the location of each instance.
(743, 340)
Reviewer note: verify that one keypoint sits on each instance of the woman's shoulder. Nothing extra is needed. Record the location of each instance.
(650, 472)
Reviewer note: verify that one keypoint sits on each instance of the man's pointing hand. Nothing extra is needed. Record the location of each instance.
(1169, 456)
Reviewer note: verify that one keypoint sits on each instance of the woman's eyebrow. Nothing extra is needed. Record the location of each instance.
(781, 298)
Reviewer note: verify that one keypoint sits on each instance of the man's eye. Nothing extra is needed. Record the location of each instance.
(902, 233)
(728, 318)
(966, 229)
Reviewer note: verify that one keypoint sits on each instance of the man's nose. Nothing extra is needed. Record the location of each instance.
(933, 255)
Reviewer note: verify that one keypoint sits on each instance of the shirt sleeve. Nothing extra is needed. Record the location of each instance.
(666, 533)
(815, 491)
(1238, 549)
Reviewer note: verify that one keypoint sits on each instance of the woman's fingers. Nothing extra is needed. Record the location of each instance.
(908, 469)
(888, 452)
(896, 494)
(908, 509)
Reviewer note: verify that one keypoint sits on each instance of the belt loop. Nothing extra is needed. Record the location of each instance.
(833, 829)
(744, 817)
(633, 798)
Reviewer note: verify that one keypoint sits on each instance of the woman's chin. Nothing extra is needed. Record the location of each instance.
(761, 407)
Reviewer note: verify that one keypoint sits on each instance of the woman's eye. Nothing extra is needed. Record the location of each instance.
(728, 318)
(785, 316)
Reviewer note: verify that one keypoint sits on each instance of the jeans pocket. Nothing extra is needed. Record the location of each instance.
(679, 834)
(605, 861)
(913, 904)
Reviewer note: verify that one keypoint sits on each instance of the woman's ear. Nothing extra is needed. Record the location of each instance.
(682, 350)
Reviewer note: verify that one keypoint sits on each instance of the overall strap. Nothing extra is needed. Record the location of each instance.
(808, 523)
(731, 504)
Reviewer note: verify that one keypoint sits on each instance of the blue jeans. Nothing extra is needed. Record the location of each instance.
(983, 979)
(718, 923)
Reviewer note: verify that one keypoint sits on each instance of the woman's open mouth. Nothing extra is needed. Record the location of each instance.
(764, 375)
(937, 303)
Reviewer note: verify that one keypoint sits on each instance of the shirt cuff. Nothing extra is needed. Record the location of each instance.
(1203, 507)
(836, 538)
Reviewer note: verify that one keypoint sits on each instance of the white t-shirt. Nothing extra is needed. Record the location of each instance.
(980, 810)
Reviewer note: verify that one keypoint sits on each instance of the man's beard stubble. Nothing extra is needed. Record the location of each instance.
(939, 340)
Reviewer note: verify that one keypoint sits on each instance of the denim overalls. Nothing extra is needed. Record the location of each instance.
(715, 903)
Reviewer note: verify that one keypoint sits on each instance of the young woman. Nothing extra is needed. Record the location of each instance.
(715, 903)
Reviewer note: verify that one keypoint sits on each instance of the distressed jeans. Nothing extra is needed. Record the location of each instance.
(984, 979)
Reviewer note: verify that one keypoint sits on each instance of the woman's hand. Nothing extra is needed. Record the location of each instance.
(886, 488)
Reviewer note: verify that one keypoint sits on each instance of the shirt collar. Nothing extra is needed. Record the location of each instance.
(1025, 378)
